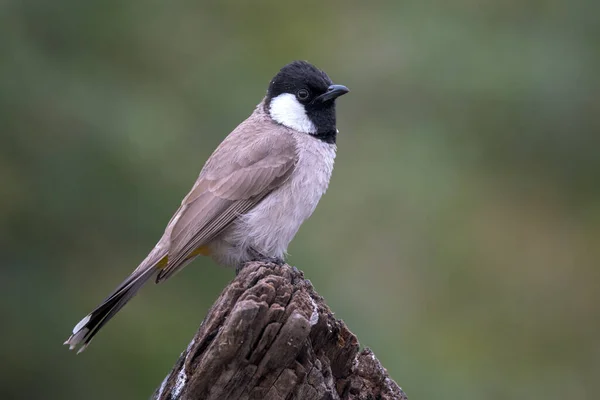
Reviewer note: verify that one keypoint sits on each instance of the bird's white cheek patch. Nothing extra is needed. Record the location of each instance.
(288, 111)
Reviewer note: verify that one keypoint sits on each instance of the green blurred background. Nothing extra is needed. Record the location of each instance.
(460, 235)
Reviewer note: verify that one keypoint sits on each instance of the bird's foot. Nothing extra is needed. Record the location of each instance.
(261, 259)
(270, 260)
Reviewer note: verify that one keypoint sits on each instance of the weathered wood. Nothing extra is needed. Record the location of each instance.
(271, 336)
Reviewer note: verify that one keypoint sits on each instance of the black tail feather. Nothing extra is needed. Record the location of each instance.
(88, 327)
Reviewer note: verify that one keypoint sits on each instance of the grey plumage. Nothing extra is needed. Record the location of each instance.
(251, 197)
(246, 167)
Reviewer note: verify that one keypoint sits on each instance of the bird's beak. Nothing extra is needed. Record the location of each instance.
(333, 92)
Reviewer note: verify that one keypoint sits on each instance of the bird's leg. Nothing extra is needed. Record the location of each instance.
(273, 260)
(239, 267)
(258, 256)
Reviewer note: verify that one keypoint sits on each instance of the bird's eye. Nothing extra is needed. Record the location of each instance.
(302, 94)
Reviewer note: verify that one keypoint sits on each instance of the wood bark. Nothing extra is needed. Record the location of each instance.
(271, 336)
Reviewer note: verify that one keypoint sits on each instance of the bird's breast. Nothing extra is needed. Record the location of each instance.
(311, 176)
(273, 223)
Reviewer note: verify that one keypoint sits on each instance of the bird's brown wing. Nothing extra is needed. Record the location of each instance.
(247, 166)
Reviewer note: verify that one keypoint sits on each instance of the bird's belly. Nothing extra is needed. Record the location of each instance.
(270, 226)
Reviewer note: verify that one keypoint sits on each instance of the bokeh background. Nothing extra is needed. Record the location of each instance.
(460, 236)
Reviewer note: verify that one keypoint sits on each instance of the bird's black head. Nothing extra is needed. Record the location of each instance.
(302, 97)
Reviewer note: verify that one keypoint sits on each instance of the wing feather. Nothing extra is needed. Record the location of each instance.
(246, 167)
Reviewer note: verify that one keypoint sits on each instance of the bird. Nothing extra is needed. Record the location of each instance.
(253, 193)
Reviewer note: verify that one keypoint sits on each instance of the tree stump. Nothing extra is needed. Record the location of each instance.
(271, 336)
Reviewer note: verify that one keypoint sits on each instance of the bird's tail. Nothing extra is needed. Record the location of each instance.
(88, 327)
